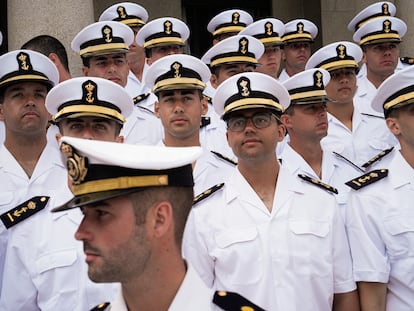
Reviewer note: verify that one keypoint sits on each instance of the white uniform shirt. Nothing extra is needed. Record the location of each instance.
(380, 223)
(134, 87)
(213, 136)
(142, 127)
(335, 172)
(369, 136)
(283, 76)
(365, 94)
(293, 258)
(192, 295)
(45, 267)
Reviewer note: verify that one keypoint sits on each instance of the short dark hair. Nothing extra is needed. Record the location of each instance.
(181, 199)
(46, 44)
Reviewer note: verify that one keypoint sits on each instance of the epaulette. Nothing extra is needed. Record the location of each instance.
(367, 179)
(407, 60)
(23, 211)
(140, 98)
(204, 121)
(101, 307)
(207, 193)
(378, 157)
(230, 301)
(372, 115)
(146, 109)
(318, 183)
(217, 154)
(340, 156)
(209, 99)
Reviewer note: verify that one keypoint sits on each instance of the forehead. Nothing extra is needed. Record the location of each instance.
(25, 85)
(108, 56)
(87, 119)
(177, 92)
(248, 112)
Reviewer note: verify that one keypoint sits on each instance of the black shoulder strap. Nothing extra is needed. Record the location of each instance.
(378, 157)
(219, 155)
(230, 301)
(318, 183)
(367, 179)
(140, 98)
(207, 193)
(101, 307)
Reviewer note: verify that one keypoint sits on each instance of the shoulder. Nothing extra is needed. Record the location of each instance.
(318, 183)
(24, 210)
(407, 60)
(102, 307)
(221, 157)
(140, 98)
(367, 179)
(207, 193)
(233, 301)
(377, 157)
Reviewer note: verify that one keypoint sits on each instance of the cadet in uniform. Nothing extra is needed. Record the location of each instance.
(275, 238)
(269, 31)
(298, 37)
(356, 136)
(46, 267)
(135, 201)
(380, 217)
(30, 169)
(103, 47)
(306, 121)
(228, 23)
(178, 81)
(135, 16)
(379, 39)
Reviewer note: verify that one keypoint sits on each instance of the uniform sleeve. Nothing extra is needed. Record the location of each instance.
(18, 291)
(195, 248)
(363, 223)
(343, 277)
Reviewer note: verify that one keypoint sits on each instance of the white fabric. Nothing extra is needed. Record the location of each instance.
(45, 266)
(192, 295)
(365, 93)
(335, 172)
(380, 225)
(134, 87)
(283, 76)
(369, 136)
(297, 253)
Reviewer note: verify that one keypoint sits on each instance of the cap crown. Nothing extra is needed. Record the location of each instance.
(128, 13)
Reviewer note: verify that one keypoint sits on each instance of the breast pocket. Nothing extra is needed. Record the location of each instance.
(239, 255)
(401, 234)
(57, 277)
(6, 199)
(310, 247)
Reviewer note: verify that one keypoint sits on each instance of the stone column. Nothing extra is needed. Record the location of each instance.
(405, 8)
(59, 18)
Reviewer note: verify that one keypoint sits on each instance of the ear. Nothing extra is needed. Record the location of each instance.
(1, 112)
(204, 106)
(162, 218)
(281, 131)
(393, 126)
(286, 120)
(120, 139)
(85, 71)
(214, 80)
(54, 58)
(157, 109)
(58, 137)
(283, 54)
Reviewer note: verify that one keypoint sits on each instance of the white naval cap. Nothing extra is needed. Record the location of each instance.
(236, 49)
(396, 91)
(300, 30)
(268, 30)
(229, 21)
(308, 87)
(128, 13)
(378, 9)
(103, 38)
(178, 71)
(27, 66)
(379, 30)
(163, 31)
(250, 90)
(342, 54)
(101, 170)
(89, 96)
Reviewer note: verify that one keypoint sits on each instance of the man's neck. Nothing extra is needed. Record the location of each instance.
(26, 150)
(343, 112)
(191, 141)
(310, 151)
(375, 79)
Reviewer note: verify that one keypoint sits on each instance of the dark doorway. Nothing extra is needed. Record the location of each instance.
(199, 12)
(3, 26)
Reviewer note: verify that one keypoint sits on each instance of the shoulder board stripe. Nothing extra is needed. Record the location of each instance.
(145, 109)
(407, 60)
(101, 307)
(204, 121)
(347, 161)
(378, 157)
(367, 179)
(207, 193)
(372, 115)
(318, 183)
(24, 211)
(219, 155)
(230, 301)
(140, 98)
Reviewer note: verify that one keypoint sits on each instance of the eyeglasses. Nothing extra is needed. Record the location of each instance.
(259, 120)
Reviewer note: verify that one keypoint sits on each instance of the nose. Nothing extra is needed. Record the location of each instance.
(82, 234)
(87, 132)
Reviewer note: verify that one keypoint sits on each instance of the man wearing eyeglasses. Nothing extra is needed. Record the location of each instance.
(298, 37)
(273, 237)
